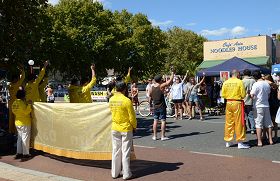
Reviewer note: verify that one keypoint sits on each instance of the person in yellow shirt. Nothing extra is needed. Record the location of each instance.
(42, 89)
(32, 86)
(13, 88)
(111, 89)
(233, 91)
(22, 110)
(123, 124)
(81, 93)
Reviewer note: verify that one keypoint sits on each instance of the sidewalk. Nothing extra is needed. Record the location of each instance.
(10, 172)
(151, 164)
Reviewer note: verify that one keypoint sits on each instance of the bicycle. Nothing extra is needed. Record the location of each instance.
(145, 109)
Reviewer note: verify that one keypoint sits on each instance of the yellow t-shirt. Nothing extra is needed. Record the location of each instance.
(32, 88)
(14, 87)
(233, 88)
(126, 80)
(79, 94)
(42, 91)
(22, 112)
(123, 114)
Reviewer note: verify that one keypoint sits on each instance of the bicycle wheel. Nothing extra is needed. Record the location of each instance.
(170, 110)
(144, 108)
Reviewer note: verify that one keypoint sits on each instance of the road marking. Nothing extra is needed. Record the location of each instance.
(275, 161)
(212, 154)
(140, 146)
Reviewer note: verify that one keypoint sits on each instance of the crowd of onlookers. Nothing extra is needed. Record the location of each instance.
(187, 94)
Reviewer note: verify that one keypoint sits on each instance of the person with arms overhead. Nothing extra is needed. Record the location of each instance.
(80, 93)
(32, 86)
(16, 83)
(157, 95)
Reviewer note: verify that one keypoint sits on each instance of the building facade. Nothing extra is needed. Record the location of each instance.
(259, 50)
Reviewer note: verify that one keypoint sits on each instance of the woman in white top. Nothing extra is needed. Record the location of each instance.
(177, 95)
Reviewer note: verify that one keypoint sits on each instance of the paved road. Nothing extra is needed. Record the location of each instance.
(196, 151)
(202, 136)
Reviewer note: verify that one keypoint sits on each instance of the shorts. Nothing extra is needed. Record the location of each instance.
(160, 114)
(177, 101)
(50, 99)
(193, 98)
(262, 117)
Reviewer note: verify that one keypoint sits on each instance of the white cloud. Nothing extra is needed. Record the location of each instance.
(237, 30)
(191, 24)
(218, 32)
(160, 23)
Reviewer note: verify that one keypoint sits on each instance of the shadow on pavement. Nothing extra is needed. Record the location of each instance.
(141, 168)
(188, 134)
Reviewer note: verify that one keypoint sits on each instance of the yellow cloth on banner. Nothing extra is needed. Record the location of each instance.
(78, 130)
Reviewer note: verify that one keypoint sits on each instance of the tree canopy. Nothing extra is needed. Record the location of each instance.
(76, 33)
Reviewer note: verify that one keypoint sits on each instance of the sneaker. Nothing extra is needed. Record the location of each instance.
(228, 144)
(253, 132)
(243, 146)
(201, 119)
(190, 118)
(128, 178)
(164, 138)
(154, 138)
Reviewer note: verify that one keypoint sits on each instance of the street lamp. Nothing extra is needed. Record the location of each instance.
(31, 63)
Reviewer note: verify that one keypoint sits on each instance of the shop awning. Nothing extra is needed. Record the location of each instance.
(254, 60)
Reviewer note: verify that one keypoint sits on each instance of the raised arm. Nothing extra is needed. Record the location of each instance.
(185, 77)
(202, 80)
(128, 78)
(169, 82)
(42, 73)
(22, 76)
(93, 79)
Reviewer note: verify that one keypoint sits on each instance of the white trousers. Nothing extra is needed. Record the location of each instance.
(122, 145)
(23, 141)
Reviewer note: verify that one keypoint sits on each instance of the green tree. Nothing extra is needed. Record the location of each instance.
(138, 44)
(81, 35)
(184, 51)
(22, 30)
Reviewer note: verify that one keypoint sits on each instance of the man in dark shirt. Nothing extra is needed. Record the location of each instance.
(157, 95)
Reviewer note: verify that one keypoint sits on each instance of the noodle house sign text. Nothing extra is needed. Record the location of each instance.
(229, 47)
(243, 48)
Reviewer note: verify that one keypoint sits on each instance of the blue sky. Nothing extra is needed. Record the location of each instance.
(214, 19)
